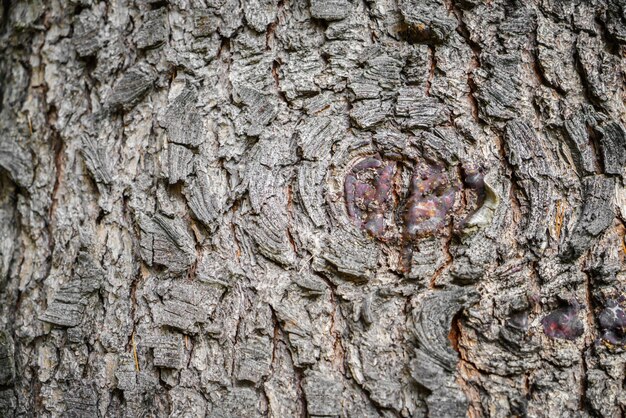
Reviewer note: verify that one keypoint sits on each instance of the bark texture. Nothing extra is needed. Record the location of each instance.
(331, 208)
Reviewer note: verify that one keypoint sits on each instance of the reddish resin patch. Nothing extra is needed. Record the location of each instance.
(430, 199)
(367, 190)
(381, 203)
(563, 323)
(612, 322)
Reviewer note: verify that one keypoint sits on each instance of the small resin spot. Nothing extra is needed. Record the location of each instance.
(612, 322)
(403, 202)
(475, 193)
(474, 180)
(563, 323)
(367, 190)
(430, 198)
(518, 321)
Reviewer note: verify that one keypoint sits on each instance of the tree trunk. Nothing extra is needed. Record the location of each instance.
(346, 208)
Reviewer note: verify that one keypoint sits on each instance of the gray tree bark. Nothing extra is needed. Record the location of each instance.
(332, 208)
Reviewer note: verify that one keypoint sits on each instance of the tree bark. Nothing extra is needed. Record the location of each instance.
(334, 208)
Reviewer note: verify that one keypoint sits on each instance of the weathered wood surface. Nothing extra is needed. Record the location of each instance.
(377, 208)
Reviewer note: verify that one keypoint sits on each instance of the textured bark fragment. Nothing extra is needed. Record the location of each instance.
(566, 381)
(509, 347)
(25, 14)
(498, 86)
(310, 191)
(604, 393)
(323, 394)
(8, 401)
(520, 21)
(426, 20)
(377, 367)
(97, 160)
(419, 112)
(368, 113)
(253, 359)
(427, 261)
(281, 388)
(269, 199)
(330, 10)
(166, 242)
(8, 227)
(435, 359)
(604, 264)
(179, 162)
(260, 13)
(87, 39)
(317, 135)
(241, 401)
(555, 55)
(205, 23)
(15, 159)
(130, 380)
(297, 322)
(80, 401)
(600, 69)
(270, 233)
(259, 110)
(109, 60)
(131, 88)
(153, 29)
(395, 145)
(7, 362)
(383, 70)
(615, 20)
(594, 217)
(207, 195)
(311, 285)
(184, 306)
(350, 253)
(67, 308)
(526, 152)
(299, 74)
(183, 123)
(612, 144)
(432, 322)
(365, 89)
(580, 144)
(167, 349)
(415, 69)
(188, 403)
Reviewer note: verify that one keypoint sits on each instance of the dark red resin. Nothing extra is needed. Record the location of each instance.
(367, 190)
(612, 322)
(370, 204)
(421, 211)
(563, 323)
(430, 198)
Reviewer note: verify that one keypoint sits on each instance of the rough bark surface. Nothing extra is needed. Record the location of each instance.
(334, 208)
